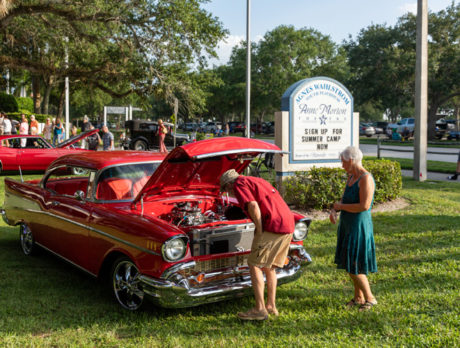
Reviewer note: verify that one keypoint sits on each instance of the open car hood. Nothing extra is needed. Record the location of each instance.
(77, 138)
(198, 166)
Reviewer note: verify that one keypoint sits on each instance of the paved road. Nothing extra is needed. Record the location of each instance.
(451, 154)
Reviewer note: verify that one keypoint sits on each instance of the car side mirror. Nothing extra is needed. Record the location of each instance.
(79, 195)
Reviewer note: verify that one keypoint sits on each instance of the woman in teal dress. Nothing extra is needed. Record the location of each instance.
(355, 250)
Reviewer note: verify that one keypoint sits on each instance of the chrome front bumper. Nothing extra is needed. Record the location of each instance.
(2, 211)
(174, 290)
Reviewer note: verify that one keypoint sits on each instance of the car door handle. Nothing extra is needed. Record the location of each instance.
(55, 203)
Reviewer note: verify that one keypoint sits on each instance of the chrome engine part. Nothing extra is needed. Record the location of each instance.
(190, 214)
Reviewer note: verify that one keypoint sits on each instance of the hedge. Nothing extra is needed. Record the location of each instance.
(319, 188)
(39, 117)
(25, 104)
(8, 103)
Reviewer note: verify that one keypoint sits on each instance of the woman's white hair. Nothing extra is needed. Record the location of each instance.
(353, 153)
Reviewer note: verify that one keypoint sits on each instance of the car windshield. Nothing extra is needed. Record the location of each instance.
(123, 182)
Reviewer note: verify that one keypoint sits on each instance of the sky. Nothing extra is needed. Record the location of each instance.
(335, 18)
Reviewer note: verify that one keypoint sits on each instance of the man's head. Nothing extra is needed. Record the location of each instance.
(105, 129)
(228, 178)
(85, 118)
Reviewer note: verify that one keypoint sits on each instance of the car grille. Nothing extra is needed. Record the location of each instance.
(221, 239)
(221, 263)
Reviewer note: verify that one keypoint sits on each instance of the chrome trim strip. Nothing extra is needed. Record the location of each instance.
(67, 260)
(229, 152)
(98, 232)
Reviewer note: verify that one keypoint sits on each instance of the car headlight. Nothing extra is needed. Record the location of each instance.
(300, 231)
(174, 249)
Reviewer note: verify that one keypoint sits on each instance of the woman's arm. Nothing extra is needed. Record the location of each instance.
(366, 190)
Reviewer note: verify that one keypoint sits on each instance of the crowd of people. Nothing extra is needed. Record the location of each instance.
(53, 131)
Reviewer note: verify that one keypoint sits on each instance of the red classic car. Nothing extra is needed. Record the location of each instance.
(158, 226)
(34, 153)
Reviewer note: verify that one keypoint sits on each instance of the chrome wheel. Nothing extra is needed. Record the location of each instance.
(126, 284)
(27, 240)
(140, 145)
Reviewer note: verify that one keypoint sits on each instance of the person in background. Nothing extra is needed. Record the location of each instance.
(107, 139)
(2, 124)
(23, 129)
(93, 140)
(355, 251)
(86, 126)
(7, 127)
(274, 225)
(34, 126)
(227, 129)
(162, 131)
(457, 172)
(57, 131)
(48, 130)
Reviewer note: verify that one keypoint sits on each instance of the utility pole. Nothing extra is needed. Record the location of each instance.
(67, 113)
(248, 70)
(421, 92)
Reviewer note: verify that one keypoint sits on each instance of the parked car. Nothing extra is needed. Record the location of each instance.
(232, 125)
(444, 127)
(240, 128)
(158, 227)
(366, 129)
(190, 127)
(34, 153)
(143, 135)
(453, 135)
(269, 127)
(380, 127)
(212, 127)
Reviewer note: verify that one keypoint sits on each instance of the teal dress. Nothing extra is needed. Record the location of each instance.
(355, 237)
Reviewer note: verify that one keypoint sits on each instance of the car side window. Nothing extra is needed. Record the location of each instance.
(67, 180)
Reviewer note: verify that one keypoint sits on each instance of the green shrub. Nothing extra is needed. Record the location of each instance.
(25, 104)
(319, 188)
(8, 103)
(39, 117)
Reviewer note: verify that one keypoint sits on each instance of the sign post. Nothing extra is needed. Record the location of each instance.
(316, 123)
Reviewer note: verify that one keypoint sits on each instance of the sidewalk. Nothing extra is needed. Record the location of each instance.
(430, 175)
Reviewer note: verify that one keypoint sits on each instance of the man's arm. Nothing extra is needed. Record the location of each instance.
(256, 216)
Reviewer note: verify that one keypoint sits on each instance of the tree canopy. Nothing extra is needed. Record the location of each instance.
(141, 46)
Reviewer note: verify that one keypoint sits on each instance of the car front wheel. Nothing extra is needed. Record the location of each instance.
(27, 240)
(126, 285)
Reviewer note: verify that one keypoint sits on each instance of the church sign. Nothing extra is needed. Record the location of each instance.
(320, 120)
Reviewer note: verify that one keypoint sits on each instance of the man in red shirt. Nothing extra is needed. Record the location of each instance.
(274, 225)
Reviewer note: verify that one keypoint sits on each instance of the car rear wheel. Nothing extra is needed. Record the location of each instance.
(27, 240)
(126, 285)
(140, 145)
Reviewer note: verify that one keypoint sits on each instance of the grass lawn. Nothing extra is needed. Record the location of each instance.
(386, 141)
(432, 166)
(45, 302)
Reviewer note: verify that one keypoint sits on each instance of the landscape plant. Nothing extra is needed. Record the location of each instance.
(319, 188)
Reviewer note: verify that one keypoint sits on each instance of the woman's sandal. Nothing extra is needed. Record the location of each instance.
(352, 303)
(366, 306)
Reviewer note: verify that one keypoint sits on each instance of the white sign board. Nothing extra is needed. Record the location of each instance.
(116, 110)
(320, 120)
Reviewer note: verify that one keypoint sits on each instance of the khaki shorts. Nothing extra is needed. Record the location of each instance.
(269, 250)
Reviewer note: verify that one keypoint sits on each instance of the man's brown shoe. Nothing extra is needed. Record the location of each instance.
(253, 314)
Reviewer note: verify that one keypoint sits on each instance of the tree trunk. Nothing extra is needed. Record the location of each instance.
(432, 121)
(46, 98)
(60, 112)
(36, 93)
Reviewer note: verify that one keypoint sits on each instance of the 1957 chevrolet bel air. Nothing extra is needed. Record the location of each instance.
(157, 226)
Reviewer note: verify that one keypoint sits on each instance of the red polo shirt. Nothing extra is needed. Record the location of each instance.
(276, 215)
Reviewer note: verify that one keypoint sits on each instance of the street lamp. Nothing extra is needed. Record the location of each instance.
(248, 71)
